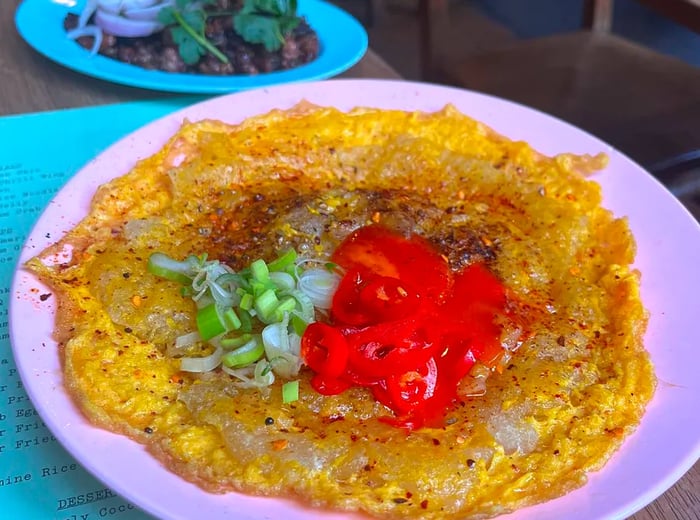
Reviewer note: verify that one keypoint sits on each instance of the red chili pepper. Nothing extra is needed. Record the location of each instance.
(380, 251)
(410, 390)
(329, 385)
(391, 348)
(387, 298)
(324, 349)
(346, 305)
(404, 326)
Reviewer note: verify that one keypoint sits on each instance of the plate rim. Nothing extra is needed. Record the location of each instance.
(335, 56)
(407, 89)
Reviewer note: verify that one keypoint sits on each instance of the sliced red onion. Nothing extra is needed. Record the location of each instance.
(147, 13)
(119, 26)
(90, 8)
(119, 6)
(88, 30)
(139, 4)
(111, 6)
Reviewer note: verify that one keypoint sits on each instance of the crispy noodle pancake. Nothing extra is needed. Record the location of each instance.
(306, 178)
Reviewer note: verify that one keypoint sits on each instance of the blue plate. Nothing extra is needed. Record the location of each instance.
(343, 42)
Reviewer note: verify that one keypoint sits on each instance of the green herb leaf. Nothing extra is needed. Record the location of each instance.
(288, 24)
(196, 20)
(189, 49)
(255, 28)
(166, 16)
(187, 21)
(266, 22)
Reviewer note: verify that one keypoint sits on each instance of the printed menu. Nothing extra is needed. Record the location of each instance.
(38, 154)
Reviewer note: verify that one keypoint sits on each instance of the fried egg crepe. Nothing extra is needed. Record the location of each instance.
(305, 178)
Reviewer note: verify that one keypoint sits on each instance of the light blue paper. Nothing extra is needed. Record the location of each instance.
(38, 154)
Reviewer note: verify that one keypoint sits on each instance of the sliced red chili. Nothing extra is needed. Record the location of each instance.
(329, 385)
(324, 349)
(346, 306)
(392, 347)
(380, 251)
(404, 326)
(412, 389)
(386, 299)
(365, 250)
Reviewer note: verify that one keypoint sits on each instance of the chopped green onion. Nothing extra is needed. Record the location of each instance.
(162, 265)
(319, 285)
(202, 364)
(298, 323)
(238, 341)
(245, 355)
(306, 307)
(283, 261)
(280, 297)
(276, 339)
(292, 270)
(233, 280)
(290, 391)
(283, 281)
(266, 303)
(210, 322)
(187, 339)
(257, 287)
(231, 319)
(295, 345)
(287, 305)
(246, 320)
(267, 369)
(259, 271)
(262, 376)
(247, 301)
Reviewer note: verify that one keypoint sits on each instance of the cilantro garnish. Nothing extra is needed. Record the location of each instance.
(265, 22)
(189, 20)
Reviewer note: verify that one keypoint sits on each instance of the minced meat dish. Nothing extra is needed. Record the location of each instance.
(160, 52)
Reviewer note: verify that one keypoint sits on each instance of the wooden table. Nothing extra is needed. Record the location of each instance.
(31, 83)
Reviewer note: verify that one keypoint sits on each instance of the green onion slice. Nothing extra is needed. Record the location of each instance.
(283, 281)
(265, 304)
(298, 323)
(231, 319)
(290, 391)
(247, 301)
(162, 265)
(259, 271)
(283, 261)
(187, 339)
(238, 341)
(212, 321)
(245, 355)
(319, 284)
(202, 364)
(280, 297)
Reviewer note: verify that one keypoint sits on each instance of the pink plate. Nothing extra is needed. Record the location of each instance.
(666, 444)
